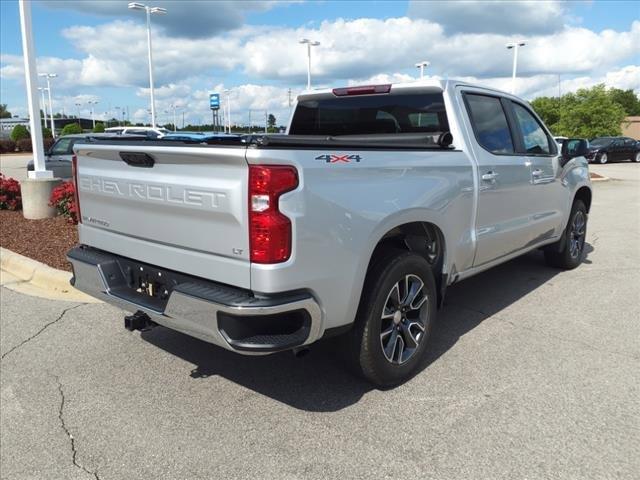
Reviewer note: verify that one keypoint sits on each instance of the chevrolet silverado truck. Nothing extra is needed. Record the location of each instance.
(353, 223)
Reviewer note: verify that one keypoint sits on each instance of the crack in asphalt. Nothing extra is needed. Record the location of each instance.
(74, 451)
(60, 317)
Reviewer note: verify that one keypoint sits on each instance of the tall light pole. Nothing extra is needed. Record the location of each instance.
(149, 10)
(309, 44)
(49, 76)
(44, 106)
(227, 92)
(422, 65)
(93, 118)
(78, 105)
(31, 81)
(515, 46)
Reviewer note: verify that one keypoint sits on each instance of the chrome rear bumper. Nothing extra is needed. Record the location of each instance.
(229, 317)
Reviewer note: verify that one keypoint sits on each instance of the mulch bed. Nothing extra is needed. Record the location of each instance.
(46, 240)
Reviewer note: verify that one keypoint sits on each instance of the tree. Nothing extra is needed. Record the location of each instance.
(548, 108)
(19, 132)
(589, 113)
(271, 120)
(70, 129)
(4, 113)
(99, 128)
(627, 99)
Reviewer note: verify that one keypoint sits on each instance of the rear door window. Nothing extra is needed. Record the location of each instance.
(370, 114)
(536, 141)
(489, 123)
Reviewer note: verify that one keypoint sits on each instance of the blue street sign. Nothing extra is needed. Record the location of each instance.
(214, 101)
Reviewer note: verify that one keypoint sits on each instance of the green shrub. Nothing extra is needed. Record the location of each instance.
(19, 132)
(46, 133)
(71, 128)
(7, 146)
(99, 128)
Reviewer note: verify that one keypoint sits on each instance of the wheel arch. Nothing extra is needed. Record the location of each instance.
(584, 193)
(422, 237)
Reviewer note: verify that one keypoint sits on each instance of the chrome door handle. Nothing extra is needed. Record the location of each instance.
(489, 176)
(537, 172)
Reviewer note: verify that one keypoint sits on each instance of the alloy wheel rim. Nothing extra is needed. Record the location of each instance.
(404, 319)
(603, 158)
(577, 234)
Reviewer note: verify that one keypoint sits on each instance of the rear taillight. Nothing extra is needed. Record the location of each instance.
(269, 229)
(362, 90)
(74, 171)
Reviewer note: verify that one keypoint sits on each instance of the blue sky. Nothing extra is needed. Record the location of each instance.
(98, 48)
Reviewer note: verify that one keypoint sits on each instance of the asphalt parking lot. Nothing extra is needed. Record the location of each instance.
(532, 373)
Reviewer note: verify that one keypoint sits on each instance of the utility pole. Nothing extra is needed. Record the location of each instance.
(266, 121)
(290, 100)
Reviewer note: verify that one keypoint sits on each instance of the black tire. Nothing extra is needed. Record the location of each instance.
(604, 158)
(568, 253)
(636, 157)
(365, 341)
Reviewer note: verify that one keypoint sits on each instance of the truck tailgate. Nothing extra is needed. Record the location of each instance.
(186, 212)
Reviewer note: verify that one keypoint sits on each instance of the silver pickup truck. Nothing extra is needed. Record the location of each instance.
(354, 223)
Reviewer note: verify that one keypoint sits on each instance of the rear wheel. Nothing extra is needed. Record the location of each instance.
(568, 253)
(603, 158)
(397, 309)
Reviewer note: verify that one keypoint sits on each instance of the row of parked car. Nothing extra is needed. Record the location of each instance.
(610, 149)
(58, 157)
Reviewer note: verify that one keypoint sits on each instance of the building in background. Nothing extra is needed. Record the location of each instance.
(631, 127)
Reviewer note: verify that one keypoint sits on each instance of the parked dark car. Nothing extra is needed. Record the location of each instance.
(613, 149)
(58, 157)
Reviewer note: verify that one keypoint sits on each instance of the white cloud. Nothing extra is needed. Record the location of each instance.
(481, 16)
(185, 18)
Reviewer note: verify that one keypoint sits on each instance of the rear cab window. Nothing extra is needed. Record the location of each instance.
(371, 114)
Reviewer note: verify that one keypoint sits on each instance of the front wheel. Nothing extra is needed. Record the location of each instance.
(568, 253)
(397, 309)
(603, 158)
(637, 157)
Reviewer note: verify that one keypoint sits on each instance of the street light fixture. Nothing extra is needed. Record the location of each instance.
(49, 76)
(309, 44)
(515, 46)
(422, 65)
(149, 10)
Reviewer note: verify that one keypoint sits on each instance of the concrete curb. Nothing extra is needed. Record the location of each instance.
(35, 278)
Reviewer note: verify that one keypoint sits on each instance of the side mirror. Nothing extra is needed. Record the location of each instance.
(574, 147)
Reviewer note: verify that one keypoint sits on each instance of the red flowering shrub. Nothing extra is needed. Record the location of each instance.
(10, 198)
(64, 200)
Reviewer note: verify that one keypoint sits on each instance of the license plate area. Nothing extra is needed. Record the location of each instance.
(141, 283)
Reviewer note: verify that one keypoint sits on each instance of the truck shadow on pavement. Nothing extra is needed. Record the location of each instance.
(320, 381)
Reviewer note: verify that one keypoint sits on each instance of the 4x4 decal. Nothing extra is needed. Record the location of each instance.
(333, 158)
